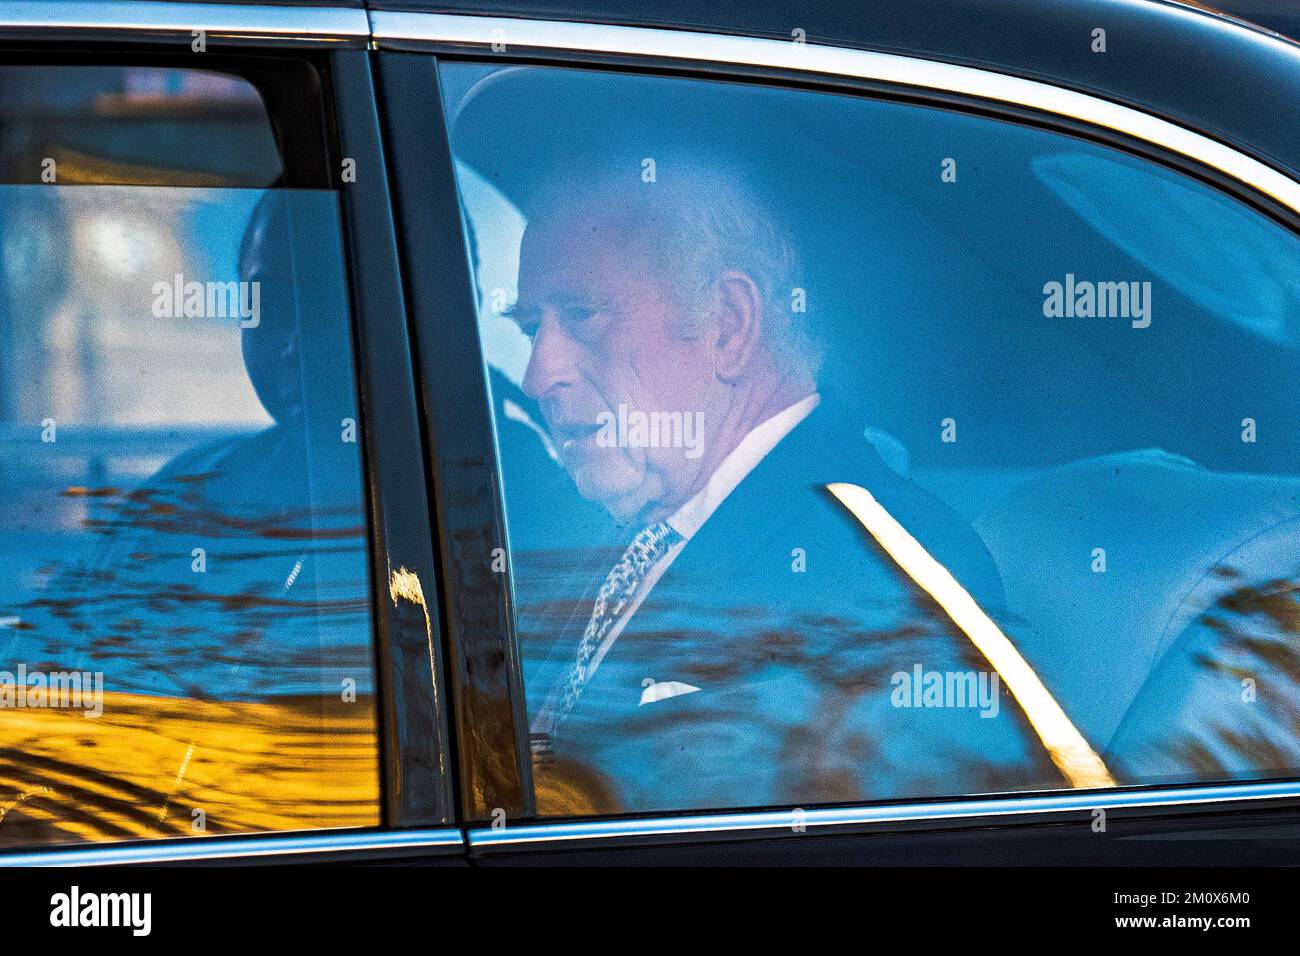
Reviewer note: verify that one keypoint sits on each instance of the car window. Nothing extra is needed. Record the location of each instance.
(858, 450)
(185, 636)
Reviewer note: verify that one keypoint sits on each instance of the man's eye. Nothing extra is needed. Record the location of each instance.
(577, 314)
(530, 321)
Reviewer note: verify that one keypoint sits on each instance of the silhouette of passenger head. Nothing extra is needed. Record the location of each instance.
(272, 354)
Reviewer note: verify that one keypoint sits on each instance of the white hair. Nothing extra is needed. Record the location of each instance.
(701, 223)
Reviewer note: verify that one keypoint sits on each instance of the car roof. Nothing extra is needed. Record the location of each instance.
(1280, 16)
(1196, 62)
(766, 17)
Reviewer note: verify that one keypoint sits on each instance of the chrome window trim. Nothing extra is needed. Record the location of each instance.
(312, 24)
(479, 33)
(235, 848)
(784, 822)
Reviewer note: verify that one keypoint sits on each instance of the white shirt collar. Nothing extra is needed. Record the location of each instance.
(753, 448)
(690, 517)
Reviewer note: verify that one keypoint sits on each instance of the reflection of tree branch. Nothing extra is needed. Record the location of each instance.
(838, 657)
(137, 594)
(164, 511)
(1249, 633)
(182, 595)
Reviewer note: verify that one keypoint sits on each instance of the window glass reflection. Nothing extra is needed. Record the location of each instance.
(854, 450)
(182, 518)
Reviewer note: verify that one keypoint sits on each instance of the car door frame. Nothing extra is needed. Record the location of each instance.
(1037, 827)
(417, 810)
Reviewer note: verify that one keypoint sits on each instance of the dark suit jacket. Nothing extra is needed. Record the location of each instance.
(793, 622)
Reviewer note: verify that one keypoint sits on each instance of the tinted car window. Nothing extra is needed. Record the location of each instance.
(857, 450)
(184, 598)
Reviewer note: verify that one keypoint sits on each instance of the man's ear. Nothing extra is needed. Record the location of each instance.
(738, 324)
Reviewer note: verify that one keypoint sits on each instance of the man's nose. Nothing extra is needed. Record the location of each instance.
(551, 364)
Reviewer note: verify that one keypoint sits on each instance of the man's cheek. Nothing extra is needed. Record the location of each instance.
(625, 464)
(596, 458)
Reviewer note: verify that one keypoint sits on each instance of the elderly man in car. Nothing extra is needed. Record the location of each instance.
(745, 646)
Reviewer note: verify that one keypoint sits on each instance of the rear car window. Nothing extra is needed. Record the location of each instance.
(858, 450)
(185, 637)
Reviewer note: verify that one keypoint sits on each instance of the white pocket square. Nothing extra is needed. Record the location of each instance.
(662, 690)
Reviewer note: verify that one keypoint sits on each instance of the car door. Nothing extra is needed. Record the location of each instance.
(221, 631)
(1005, 551)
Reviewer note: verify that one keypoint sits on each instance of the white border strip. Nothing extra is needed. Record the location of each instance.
(311, 23)
(215, 848)
(790, 820)
(481, 33)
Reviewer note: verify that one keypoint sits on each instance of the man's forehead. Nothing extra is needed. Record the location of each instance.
(580, 249)
(570, 220)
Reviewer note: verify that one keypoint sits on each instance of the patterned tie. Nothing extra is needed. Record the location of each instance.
(621, 584)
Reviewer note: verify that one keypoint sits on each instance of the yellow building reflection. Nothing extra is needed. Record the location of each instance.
(154, 767)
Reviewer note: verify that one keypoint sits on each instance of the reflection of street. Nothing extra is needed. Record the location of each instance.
(182, 517)
(224, 688)
(294, 763)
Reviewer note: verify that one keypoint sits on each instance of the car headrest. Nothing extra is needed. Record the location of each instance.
(1099, 558)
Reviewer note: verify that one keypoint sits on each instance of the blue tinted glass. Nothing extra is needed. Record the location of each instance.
(857, 450)
(184, 597)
